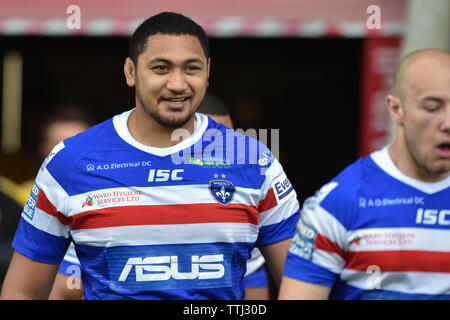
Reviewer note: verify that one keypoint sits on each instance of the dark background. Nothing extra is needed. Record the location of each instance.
(306, 88)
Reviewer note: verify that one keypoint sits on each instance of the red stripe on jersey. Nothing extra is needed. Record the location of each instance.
(400, 260)
(269, 201)
(45, 205)
(165, 214)
(323, 243)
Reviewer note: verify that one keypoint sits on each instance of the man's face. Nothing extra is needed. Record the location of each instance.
(171, 78)
(426, 117)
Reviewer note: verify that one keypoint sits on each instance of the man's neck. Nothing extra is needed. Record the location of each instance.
(149, 132)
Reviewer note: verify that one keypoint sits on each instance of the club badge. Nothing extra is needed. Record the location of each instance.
(222, 191)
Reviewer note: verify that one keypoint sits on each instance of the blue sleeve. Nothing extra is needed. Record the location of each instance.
(278, 232)
(258, 279)
(305, 270)
(29, 241)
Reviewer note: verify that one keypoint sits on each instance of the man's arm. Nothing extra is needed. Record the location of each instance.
(28, 279)
(293, 289)
(66, 288)
(275, 255)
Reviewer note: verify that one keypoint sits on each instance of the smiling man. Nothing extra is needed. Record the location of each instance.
(143, 226)
(381, 228)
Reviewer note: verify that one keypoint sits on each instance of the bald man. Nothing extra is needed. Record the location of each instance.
(381, 228)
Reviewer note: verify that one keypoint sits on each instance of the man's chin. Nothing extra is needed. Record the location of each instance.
(172, 122)
(443, 169)
(438, 171)
(169, 119)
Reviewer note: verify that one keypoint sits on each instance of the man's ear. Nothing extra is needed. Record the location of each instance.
(395, 108)
(130, 72)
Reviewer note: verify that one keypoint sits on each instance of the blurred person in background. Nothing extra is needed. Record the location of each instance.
(9, 218)
(247, 113)
(216, 109)
(256, 278)
(58, 124)
(63, 122)
(381, 228)
(217, 214)
(12, 190)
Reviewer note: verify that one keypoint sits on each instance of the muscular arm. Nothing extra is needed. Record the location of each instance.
(275, 255)
(28, 279)
(66, 288)
(293, 289)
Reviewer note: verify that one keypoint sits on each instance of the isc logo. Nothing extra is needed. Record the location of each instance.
(432, 217)
(166, 267)
(162, 175)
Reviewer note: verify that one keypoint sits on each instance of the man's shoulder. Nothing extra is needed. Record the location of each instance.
(340, 194)
(356, 167)
(350, 178)
(67, 152)
(91, 138)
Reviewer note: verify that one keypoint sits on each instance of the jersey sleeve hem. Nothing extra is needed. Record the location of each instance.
(36, 249)
(278, 231)
(301, 269)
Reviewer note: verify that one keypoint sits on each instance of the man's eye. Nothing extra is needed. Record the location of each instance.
(192, 68)
(160, 68)
(431, 107)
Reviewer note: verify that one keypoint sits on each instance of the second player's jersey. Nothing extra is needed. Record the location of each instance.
(158, 223)
(374, 233)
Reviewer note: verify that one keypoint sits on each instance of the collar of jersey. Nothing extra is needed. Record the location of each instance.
(384, 161)
(120, 124)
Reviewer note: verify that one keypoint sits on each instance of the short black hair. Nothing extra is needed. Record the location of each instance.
(212, 105)
(165, 23)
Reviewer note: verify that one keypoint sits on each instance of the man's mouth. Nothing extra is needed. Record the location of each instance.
(175, 100)
(444, 149)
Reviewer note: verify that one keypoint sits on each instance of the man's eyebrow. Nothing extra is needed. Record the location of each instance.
(164, 60)
(156, 60)
(432, 98)
(194, 60)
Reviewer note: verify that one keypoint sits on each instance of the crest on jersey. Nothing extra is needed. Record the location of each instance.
(222, 191)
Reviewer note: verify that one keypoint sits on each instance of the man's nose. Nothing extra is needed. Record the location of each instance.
(177, 81)
(445, 125)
